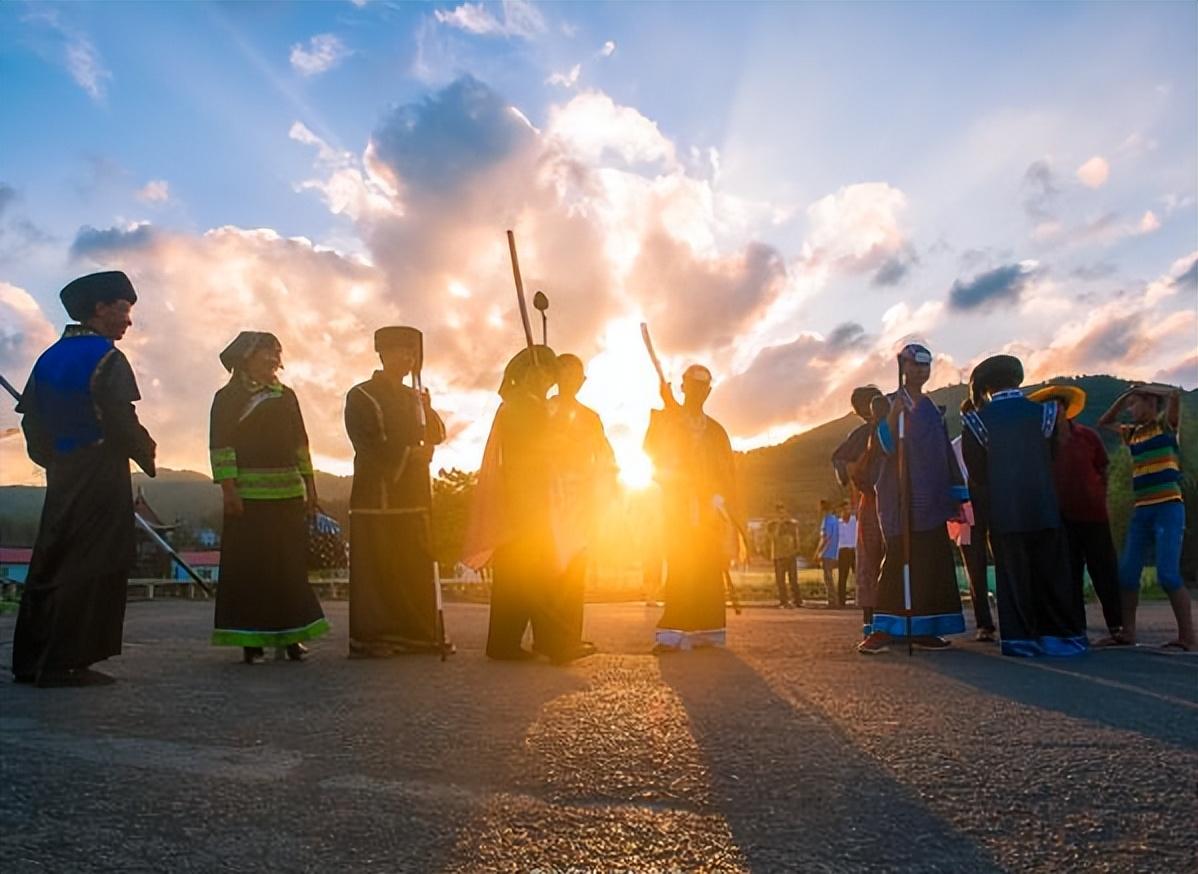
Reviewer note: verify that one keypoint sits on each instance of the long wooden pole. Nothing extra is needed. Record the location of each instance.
(511, 245)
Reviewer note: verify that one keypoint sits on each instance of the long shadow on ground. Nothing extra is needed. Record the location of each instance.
(1156, 695)
(798, 794)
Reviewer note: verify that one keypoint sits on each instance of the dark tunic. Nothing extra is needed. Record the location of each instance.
(79, 425)
(935, 490)
(525, 559)
(1007, 449)
(258, 439)
(694, 464)
(391, 571)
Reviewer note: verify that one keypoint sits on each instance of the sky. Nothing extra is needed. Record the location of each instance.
(784, 192)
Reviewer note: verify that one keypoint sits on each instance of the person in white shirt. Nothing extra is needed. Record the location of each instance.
(846, 557)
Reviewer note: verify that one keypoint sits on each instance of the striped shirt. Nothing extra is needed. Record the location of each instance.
(1156, 463)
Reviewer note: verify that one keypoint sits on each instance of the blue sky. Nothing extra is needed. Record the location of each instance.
(783, 190)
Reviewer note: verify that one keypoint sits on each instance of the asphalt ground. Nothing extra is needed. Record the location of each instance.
(785, 752)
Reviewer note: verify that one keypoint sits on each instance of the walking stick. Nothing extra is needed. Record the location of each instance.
(511, 245)
(138, 520)
(904, 509)
(439, 631)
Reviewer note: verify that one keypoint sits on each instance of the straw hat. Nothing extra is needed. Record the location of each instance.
(1071, 396)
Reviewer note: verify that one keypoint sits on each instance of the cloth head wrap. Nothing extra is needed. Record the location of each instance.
(247, 342)
(81, 295)
(915, 352)
(697, 373)
(522, 363)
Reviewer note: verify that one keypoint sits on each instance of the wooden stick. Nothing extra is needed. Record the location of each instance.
(511, 244)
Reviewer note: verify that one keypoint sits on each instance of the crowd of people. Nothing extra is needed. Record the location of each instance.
(1024, 481)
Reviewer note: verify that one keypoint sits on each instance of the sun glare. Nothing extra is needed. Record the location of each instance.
(636, 470)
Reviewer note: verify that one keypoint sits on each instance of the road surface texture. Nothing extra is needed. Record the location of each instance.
(785, 752)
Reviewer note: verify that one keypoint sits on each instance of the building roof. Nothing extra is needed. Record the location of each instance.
(15, 555)
(201, 557)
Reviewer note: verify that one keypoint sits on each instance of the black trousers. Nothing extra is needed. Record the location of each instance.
(846, 562)
(1092, 548)
(976, 558)
(787, 569)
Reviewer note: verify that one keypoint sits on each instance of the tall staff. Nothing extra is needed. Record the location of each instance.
(418, 385)
(904, 501)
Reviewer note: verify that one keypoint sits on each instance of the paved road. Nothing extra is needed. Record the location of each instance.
(786, 752)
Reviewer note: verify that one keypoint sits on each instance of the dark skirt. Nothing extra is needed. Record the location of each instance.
(392, 594)
(1041, 610)
(73, 604)
(694, 593)
(935, 599)
(263, 597)
(523, 591)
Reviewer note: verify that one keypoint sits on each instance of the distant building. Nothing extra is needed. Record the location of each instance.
(207, 538)
(205, 562)
(150, 561)
(14, 563)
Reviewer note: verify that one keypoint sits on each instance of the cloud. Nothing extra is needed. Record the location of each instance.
(609, 49)
(93, 242)
(1095, 172)
(8, 196)
(1002, 285)
(1135, 336)
(612, 232)
(439, 143)
(323, 52)
(566, 80)
(858, 230)
(594, 128)
(154, 191)
(520, 19)
(819, 373)
(79, 54)
(1040, 190)
(1149, 223)
(24, 332)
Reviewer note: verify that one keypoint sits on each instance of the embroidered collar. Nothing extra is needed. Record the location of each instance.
(80, 331)
(253, 386)
(1006, 395)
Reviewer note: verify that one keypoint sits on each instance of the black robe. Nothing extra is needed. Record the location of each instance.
(391, 567)
(80, 425)
(258, 439)
(694, 464)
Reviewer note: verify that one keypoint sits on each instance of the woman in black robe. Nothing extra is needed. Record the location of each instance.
(260, 459)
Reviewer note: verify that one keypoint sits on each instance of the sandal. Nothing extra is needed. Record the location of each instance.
(1114, 639)
(1176, 645)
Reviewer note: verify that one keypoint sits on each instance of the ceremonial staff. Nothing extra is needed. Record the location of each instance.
(139, 521)
(511, 245)
(418, 385)
(904, 501)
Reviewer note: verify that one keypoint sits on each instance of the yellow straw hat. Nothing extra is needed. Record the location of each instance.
(1071, 396)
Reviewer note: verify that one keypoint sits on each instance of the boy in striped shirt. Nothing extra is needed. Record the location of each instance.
(1159, 514)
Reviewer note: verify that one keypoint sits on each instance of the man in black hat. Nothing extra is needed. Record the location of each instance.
(393, 427)
(1007, 446)
(80, 425)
